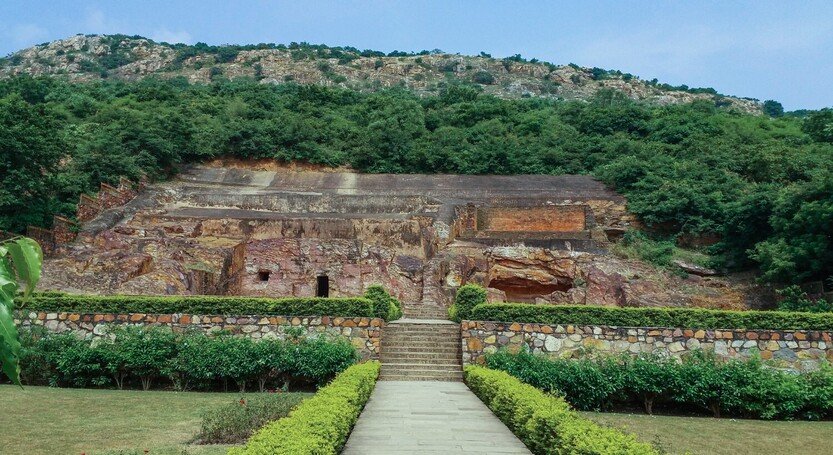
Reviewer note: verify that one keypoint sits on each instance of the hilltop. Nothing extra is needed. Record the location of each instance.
(87, 58)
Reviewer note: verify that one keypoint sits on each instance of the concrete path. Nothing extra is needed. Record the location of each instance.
(429, 417)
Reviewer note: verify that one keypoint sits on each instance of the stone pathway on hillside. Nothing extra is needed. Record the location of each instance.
(429, 417)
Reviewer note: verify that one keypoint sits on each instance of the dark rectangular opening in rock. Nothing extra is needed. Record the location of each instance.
(263, 275)
(323, 287)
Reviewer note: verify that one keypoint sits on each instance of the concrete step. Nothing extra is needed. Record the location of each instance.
(452, 361)
(396, 359)
(424, 330)
(417, 336)
(456, 376)
(439, 336)
(426, 327)
(449, 354)
(437, 311)
(425, 314)
(386, 349)
(421, 367)
(423, 346)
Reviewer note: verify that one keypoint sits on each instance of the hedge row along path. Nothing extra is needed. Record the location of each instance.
(429, 417)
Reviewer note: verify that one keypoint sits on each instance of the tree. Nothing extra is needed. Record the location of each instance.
(20, 264)
(819, 125)
(802, 220)
(30, 150)
(773, 108)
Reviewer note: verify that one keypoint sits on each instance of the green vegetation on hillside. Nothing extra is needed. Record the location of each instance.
(765, 184)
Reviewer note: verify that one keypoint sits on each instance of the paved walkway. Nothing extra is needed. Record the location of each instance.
(429, 417)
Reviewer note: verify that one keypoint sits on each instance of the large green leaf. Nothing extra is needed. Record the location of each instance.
(27, 257)
(8, 284)
(9, 344)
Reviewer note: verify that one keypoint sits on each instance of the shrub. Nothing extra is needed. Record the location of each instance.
(384, 305)
(79, 364)
(236, 360)
(321, 424)
(483, 77)
(744, 388)
(319, 360)
(545, 423)
(190, 360)
(194, 366)
(468, 296)
(635, 244)
(293, 306)
(795, 299)
(651, 317)
(141, 351)
(587, 384)
(233, 423)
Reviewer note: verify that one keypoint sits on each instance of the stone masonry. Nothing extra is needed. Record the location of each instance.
(796, 350)
(363, 333)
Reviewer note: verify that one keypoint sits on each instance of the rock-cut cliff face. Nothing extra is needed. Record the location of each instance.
(90, 58)
(285, 232)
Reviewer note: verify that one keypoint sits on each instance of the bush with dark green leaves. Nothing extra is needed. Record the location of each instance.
(321, 424)
(793, 298)
(187, 361)
(468, 297)
(234, 422)
(692, 318)
(742, 388)
(385, 306)
(545, 422)
(483, 77)
(205, 304)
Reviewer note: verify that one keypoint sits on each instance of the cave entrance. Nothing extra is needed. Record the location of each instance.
(322, 288)
(524, 290)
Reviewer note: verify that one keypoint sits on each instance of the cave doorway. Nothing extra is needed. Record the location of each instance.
(322, 288)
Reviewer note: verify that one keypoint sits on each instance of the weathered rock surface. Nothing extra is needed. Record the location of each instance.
(695, 269)
(280, 232)
(79, 58)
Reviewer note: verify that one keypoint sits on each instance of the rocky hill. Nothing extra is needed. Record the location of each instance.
(96, 57)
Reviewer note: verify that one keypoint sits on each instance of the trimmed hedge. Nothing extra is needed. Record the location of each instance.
(545, 423)
(694, 318)
(291, 306)
(321, 424)
(742, 388)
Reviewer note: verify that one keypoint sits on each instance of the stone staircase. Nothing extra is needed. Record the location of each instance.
(425, 310)
(421, 350)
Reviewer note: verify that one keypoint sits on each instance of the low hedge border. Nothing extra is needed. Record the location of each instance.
(545, 423)
(321, 424)
(690, 318)
(292, 306)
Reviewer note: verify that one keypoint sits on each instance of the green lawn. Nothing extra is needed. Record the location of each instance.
(705, 435)
(43, 420)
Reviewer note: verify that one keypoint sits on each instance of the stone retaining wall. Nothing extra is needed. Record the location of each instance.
(798, 350)
(364, 333)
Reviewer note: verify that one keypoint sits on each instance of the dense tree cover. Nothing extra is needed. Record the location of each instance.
(765, 183)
